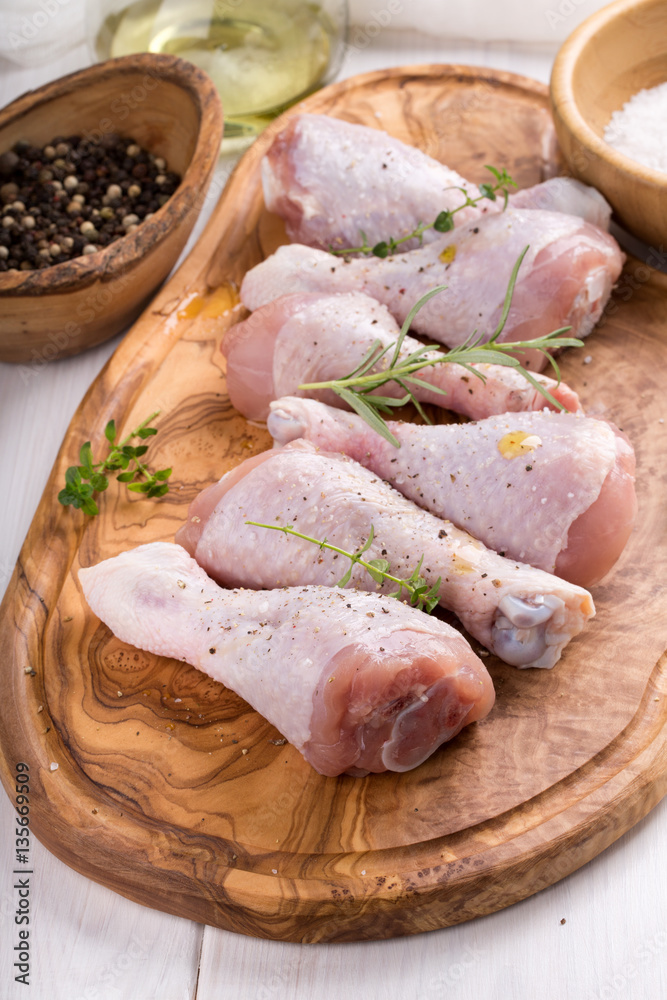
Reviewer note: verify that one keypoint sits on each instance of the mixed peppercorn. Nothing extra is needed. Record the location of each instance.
(74, 197)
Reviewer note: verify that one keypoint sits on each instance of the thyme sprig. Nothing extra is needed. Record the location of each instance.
(443, 222)
(358, 388)
(415, 586)
(84, 480)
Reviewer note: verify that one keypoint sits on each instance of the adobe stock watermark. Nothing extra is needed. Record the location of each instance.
(452, 118)
(362, 35)
(629, 283)
(564, 10)
(59, 340)
(618, 981)
(270, 813)
(279, 983)
(31, 26)
(6, 570)
(110, 974)
(223, 7)
(455, 972)
(121, 106)
(582, 157)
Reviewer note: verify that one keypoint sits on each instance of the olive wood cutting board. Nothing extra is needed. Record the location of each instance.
(154, 794)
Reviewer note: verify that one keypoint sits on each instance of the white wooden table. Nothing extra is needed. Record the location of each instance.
(87, 943)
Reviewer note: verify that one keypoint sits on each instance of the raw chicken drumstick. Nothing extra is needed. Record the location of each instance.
(356, 682)
(565, 279)
(316, 338)
(567, 195)
(330, 180)
(554, 490)
(522, 614)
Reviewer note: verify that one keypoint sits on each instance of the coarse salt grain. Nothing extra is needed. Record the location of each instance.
(637, 130)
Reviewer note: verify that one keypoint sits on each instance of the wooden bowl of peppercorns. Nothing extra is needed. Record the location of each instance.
(102, 176)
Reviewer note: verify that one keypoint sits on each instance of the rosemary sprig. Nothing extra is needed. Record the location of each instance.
(443, 222)
(358, 388)
(82, 481)
(417, 589)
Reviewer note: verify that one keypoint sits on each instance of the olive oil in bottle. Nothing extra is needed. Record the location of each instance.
(262, 55)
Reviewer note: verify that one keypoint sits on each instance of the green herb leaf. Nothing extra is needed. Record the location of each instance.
(372, 357)
(361, 406)
(98, 482)
(443, 222)
(158, 490)
(508, 296)
(90, 477)
(360, 388)
(415, 587)
(377, 568)
(86, 458)
(88, 506)
(67, 496)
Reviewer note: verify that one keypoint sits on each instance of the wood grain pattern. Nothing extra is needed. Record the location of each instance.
(153, 796)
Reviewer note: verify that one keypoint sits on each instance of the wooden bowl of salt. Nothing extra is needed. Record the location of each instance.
(614, 56)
